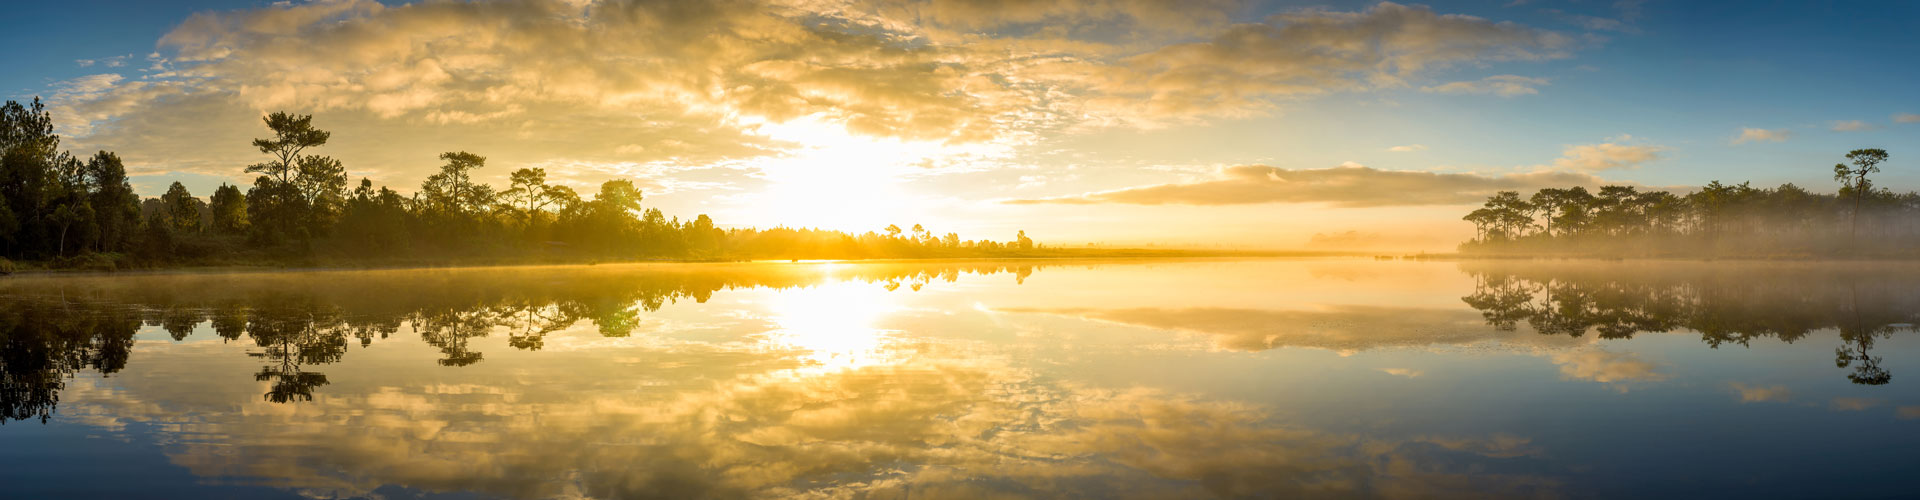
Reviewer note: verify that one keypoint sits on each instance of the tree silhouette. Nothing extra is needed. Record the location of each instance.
(1854, 182)
(229, 209)
(452, 190)
(1717, 219)
(300, 211)
(292, 186)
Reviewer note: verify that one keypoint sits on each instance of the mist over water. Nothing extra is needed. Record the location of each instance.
(1096, 379)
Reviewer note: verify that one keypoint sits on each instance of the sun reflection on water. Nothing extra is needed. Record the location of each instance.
(835, 325)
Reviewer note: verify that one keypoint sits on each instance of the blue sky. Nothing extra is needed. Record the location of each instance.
(1651, 93)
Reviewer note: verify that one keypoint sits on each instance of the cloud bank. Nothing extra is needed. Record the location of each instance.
(1345, 186)
(633, 82)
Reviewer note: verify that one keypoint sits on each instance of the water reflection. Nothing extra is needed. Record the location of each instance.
(962, 380)
(1725, 305)
(43, 343)
(298, 322)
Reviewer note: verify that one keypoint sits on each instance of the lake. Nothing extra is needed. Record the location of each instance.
(1007, 379)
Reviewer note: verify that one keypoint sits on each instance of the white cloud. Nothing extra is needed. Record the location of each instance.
(1408, 148)
(1850, 126)
(1500, 85)
(1607, 156)
(1762, 135)
(111, 62)
(1906, 118)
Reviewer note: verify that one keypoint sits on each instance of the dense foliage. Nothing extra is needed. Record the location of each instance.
(1719, 219)
(302, 208)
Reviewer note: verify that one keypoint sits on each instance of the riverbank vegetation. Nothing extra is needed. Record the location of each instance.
(58, 210)
(1718, 220)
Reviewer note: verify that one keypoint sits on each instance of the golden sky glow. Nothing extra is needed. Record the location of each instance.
(1212, 122)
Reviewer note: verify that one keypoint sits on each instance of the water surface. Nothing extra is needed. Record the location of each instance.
(1192, 379)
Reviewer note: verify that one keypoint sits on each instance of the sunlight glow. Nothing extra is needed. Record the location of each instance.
(836, 179)
(834, 324)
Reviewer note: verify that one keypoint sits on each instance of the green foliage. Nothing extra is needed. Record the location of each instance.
(1718, 219)
(297, 195)
(229, 209)
(182, 209)
(452, 192)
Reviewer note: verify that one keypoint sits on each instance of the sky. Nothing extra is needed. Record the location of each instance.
(1246, 124)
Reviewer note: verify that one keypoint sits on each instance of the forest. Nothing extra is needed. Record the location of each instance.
(1718, 220)
(62, 211)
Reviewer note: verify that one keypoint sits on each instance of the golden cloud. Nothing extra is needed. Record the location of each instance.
(1607, 156)
(1606, 367)
(714, 424)
(1347, 186)
(608, 80)
(1340, 328)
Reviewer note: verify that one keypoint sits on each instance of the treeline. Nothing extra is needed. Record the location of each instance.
(83, 213)
(1717, 220)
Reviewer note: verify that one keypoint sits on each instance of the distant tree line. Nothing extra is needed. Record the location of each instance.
(83, 213)
(1718, 219)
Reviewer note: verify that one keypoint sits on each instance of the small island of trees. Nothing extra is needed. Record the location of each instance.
(62, 211)
(1719, 220)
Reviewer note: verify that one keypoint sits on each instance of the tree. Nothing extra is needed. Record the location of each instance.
(291, 135)
(29, 183)
(229, 209)
(323, 187)
(619, 195)
(295, 194)
(529, 193)
(1510, 215)
(1548, 202)
(183, 214)
(1854, 183)
(374, 222)
(452, 191)
(1617, 210)
(65, 216)
(116, 209)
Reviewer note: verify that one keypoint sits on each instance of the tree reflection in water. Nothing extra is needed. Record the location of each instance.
(53, 327)
(1724, 304)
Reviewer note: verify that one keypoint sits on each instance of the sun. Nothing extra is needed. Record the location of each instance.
(835, 179)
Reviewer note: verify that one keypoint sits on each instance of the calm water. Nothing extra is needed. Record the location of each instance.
(1289, 378)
